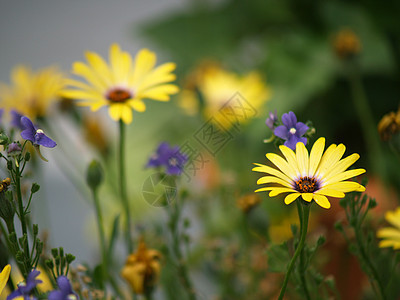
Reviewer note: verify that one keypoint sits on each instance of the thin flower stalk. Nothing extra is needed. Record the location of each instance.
(122, 187)
(304, 215)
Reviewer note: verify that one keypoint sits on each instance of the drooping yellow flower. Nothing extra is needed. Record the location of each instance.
(31, 94)
(391, 235)
(4, 274)
(123, 84)
(221, 95)
(313, 176)
(346, 44)
(389, 125)
(142, 268)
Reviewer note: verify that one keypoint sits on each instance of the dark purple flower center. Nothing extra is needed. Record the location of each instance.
(306, 185)
(118, 95)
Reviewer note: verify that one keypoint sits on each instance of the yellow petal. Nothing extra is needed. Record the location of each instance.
(121, 63)
(332, 155)
(273, 179)
(330, 193)
(126, 114)
(115, 111)
(137, 105)
(306, 196)
(272, 171)
(389, 243)
(344, 186)
(81, 94)
(322, 201)
(161, 74)
(342, 165)
(344, 175)
(99, 66)
(275, 190)
(389, 233)
(93, 78)
(144, 62)
(5, 273)
(282, 165)
(290, 157)
(291, 197)
(393, 217)
(160, 92)
(302, 159)
(315, 156)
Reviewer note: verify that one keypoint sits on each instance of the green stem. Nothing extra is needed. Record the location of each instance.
(303, 233)
(366, 119)
(100, 227)
(174, 211)
(122, 186)
(302, 266)
(22, 212)
(368, 262)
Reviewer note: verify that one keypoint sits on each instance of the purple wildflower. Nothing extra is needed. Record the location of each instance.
(35, 135)
(1, 114)
(291, 131)
(169, 157)
(24, 290)
(65, 291)
(13, 148)
(16, 120)
(272, 120)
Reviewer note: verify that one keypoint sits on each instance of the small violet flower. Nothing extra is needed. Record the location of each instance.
(25, 289)
(169, 157)
(16, 120)
(13, 148)
(35, 135)
(65, 291)
(272, 120)
(291, 131)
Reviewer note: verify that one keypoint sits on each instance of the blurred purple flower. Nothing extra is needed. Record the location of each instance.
(13, 147)
(16, 120)
(35, 135)
(1, 114)
(169, 157)
(272, 120)
(291, 130)
(24, 290)
(65, 291)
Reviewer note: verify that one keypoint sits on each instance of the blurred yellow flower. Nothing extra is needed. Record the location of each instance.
(346, 44)
(4, 274)
(123, 84)
(391, 235)
(313, 177)
(31, 94)
(142, 269)
(389, 125)
(248, 202)
(210, 89)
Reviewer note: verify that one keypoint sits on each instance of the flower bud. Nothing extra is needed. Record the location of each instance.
(94, 175)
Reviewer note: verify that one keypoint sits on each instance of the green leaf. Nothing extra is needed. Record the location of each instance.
(113, 237)
(278, 257)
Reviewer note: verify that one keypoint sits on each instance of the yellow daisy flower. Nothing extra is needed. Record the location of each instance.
(4, 274)
(217, 87)
(313, 177)
(391, 235)
(123, 84)
(32, 93)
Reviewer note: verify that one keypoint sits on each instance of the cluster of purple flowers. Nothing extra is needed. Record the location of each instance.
(169, 157)
(25, 290)
(291, 131)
